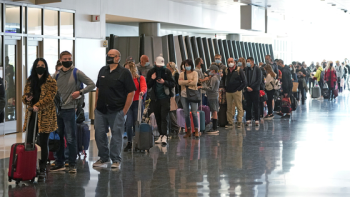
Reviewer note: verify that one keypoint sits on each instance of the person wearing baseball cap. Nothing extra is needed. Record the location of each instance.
(213, 97)
(160, 80)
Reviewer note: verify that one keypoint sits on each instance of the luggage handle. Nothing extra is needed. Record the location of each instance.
(139, 117)
(30, 112)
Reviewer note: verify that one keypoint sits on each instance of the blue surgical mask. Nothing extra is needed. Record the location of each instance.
(291, 68)
(188, 67)
(239, 64)
(217, 61)
(147, 64)
(248, 65)
(211, 74)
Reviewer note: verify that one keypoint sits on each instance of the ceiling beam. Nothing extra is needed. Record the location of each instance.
(38, 2)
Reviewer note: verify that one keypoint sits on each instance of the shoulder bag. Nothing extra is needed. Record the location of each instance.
(193, 96)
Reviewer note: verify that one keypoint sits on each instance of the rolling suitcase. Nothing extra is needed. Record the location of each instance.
(23, 157)
(222, 115)
(83, 138)
(144, 139)
(206, 111)
(202, 121)
(316, 92)
(180, 118)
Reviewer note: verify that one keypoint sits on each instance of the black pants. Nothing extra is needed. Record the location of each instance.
(331, 95)
(161, 110)
(311, 83)
(43, 141)
(269, 100)
(320, 83)
(253, 100)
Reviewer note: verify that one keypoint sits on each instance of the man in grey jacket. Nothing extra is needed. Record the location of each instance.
(69, 83)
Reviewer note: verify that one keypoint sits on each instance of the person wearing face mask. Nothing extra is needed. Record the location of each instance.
(301, 72)
(252, 93)
(330, 78)
(235, 81)
(39, 94)
(242, 63)
(287, 84)
(114, 95)
(159, 78)
(268, 60)
(189, 80)
(213, 97)
(201, 79)
(69, 83)
(144, 65)
(340, 72)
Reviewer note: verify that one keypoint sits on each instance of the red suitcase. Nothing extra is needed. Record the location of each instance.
(23, 158)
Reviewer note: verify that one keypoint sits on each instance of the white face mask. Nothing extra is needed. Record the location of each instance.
(231, 65)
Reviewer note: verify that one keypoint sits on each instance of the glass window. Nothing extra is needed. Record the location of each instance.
(66, 24)
(66, 45)
(51, 53)
(34, 21)
(12, 24)
(24, 20)
(51, 23)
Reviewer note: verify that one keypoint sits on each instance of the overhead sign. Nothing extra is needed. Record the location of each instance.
(95, 18)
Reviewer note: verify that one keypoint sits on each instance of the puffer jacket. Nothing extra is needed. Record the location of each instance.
(318, 73)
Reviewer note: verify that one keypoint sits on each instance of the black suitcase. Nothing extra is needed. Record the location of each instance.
(222, 115)
(325, 93)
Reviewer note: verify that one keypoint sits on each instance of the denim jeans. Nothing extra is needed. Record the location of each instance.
(116, 121)
(194, 109)
(131, 119)
(67, 127)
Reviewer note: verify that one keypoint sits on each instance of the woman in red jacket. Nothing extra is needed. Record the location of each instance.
(331, 78)
(141, 89)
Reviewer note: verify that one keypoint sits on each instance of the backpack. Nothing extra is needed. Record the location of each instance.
(276, 85)
(75, 77)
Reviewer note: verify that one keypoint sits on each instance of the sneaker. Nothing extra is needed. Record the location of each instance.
(164, 140)
(57, 168)
(115, 165)
(280, 113)
(212, 132)
(287, 116)
(248, 122)
(72, 169)
(269, 117)
(128, 147)
(100, 163)
(159, 140)
(228, 125)
(256, 123)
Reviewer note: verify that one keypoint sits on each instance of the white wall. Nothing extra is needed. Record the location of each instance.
(121, 30)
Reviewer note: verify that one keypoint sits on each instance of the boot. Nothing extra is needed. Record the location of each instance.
(188, 133)
(196, 133)
(42, 172)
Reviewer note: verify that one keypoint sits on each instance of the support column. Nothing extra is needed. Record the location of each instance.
(149, 29)
(236, 37)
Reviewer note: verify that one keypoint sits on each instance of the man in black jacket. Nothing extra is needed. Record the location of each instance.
(252, 94)
(160, 80)
(287, 84)
(235, 81)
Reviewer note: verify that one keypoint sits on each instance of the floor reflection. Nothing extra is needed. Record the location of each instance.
(304, 156)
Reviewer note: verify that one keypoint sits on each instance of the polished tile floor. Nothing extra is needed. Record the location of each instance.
(306, 156)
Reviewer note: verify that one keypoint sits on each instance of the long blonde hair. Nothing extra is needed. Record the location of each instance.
(269, 70)
(174, 67)
(133, 69)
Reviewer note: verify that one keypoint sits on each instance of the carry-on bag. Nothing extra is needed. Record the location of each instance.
(180, 118)
(83, 138)
(202, 121)
(23, 157)
(206, 111)
(222, 116)
(286, 105)
(316, 91)
(144, 139)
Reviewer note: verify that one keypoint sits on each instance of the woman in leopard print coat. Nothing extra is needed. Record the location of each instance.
(39, 94)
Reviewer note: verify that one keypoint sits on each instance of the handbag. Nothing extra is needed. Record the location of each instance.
(295, 86)
(193, 96)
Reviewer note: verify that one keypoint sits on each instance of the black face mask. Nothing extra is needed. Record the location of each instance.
(67, 64)
(109, 60)
(202, 65)
(40, 70)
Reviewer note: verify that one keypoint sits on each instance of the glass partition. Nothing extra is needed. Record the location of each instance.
(66, 28)
(13, 20)
(34, 21)
(51, 53)
(51, 23)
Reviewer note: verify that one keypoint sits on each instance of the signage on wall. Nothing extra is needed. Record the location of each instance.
(95, 18)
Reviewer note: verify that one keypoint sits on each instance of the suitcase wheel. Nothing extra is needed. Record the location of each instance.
(10, 180)
(33, 180)
(17, 182)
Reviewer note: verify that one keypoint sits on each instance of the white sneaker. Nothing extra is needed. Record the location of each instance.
(164, 140)
(256, 123)
(248, 122)
(159, 140)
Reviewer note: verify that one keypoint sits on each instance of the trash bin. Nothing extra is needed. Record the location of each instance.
(92, 101)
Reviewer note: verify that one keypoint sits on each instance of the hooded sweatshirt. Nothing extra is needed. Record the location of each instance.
(318, 73)
(67, 84)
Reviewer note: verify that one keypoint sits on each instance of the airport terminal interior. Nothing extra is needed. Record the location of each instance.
(303, 153)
